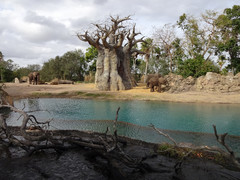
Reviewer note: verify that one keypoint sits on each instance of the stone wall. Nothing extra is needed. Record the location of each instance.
(211, 82)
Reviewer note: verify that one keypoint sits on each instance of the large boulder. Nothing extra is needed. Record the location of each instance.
(24, 79)
(179, 84)
(16, 80)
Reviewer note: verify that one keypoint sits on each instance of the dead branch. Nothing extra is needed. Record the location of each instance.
(108, 146)
(221, 140)
(165, 135)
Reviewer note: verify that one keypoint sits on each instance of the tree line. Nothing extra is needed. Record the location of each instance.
(73, 65)
(208, 43)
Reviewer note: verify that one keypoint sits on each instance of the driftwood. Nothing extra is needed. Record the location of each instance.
(163, 134)
(35, 136)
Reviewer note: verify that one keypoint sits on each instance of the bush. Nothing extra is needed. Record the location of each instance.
(197, 67)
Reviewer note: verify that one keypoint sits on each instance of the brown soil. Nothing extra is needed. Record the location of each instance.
(140, 92)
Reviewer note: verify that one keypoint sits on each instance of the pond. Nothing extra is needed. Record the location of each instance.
(186, 122)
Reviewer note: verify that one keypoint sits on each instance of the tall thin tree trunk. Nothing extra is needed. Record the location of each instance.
(146, 68)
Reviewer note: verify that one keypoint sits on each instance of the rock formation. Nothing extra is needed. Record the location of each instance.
(179, 84)
(211, 82)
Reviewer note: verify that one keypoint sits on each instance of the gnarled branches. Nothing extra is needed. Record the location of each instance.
(112, 35)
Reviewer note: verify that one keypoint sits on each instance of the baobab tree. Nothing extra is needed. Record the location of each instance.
(115, 42)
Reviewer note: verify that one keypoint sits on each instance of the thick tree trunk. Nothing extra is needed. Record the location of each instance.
(115, 45)
(112, 70)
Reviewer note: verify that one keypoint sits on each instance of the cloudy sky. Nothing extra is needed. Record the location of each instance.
(33, 31)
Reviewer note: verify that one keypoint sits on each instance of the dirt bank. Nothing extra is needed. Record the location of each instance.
(140, 92)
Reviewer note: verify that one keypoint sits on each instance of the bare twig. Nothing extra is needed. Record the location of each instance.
(165, 135)
(221, 140)
(115, 122)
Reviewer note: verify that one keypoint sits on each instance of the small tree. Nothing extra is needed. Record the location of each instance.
(200, 34)
(115, 43)
(7, 70)
(91, 57)
(229, 25)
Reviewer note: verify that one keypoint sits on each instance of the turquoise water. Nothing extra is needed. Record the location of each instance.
(185, 122)
(164, 115)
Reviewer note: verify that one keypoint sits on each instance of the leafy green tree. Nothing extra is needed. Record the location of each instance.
(75, 65)
(34, 67)
(7, 70)
(159, 62)
(200, 34)
(91, 58)
(1, 56)
(229, 41)
(197, 67)
(45, 73)
(72, 66)
(201, 37)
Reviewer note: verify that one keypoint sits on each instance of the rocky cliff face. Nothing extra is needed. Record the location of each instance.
(211, 82)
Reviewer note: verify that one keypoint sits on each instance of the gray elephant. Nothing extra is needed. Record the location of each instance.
(34, 78)
(149, 76)
(30, 77)
(155, 81)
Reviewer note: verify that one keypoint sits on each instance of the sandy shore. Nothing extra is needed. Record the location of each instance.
(140, 92)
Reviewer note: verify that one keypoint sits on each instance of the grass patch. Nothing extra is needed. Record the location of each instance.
(93, 95)
(63, 93)
(80, 93)
(47, 94)
(41, 94)
(97, 95)
(172, 151)
(181, 152)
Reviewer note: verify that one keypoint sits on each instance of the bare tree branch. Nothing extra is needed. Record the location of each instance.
(165, 135)
(221, 140)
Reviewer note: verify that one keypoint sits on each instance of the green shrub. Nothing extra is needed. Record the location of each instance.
(196, 67)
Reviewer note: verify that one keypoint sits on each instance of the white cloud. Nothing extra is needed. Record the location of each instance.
(34, 31)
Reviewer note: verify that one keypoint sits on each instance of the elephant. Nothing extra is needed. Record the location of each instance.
(149, 76)
(34, 78)
(30, 77)
(155, 81)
